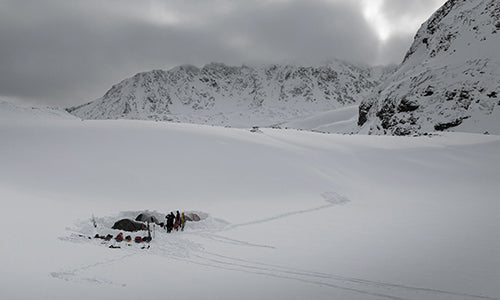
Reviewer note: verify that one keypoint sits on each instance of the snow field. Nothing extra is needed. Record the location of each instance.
(291, 214)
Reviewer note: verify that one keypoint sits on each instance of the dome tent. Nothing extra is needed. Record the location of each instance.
(129, 225)
(144, 217)
(192, 216)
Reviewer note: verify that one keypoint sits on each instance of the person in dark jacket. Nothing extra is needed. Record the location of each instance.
(183, 221)
(170, 222)
(177, 221)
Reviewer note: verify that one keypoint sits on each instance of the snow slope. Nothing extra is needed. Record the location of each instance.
(287, 214)
(449, 80)
(244, 96)
(342, 120)
(16, 111)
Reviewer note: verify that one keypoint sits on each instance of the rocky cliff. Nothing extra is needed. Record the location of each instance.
(449, 79)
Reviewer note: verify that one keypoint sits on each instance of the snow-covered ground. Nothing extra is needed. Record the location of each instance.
(289, 214)
(341, 120)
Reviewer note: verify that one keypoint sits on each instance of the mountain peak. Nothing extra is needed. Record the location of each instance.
(458, 23)
(449, 79)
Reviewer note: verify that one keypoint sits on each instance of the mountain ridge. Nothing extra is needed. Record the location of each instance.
(218, 94)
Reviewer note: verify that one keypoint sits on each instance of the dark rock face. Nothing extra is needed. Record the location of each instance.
(407, 105)
(386, 112)
(444, 126)
(364, 108)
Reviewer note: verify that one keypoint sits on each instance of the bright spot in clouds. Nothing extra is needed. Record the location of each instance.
(162, 15)
(372, 14)
(387, 25)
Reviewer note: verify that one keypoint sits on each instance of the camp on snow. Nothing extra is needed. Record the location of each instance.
(140, 221)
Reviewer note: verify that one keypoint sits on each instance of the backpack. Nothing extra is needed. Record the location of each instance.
(119, 237)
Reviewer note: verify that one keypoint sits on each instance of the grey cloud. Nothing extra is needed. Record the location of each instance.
(69, 52)
(304, 31)
(63, 57)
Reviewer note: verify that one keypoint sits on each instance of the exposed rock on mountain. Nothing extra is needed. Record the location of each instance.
(235, 96)
(449, 79)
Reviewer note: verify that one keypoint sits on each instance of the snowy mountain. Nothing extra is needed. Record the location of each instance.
(243, 96)
(449, 79)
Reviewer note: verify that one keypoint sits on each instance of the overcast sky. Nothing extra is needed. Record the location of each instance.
(68, 52)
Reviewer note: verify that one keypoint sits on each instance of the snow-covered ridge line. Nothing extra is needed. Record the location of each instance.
(243, 96)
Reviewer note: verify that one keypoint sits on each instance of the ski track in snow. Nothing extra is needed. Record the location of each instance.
(331, 197)
(274, 218)
(362, 286)
(223, 239)
(75, 276)
(181, 248)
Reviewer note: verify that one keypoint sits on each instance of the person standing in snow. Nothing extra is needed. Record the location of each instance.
(177, 221)
(170, 222)
(183, 221)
